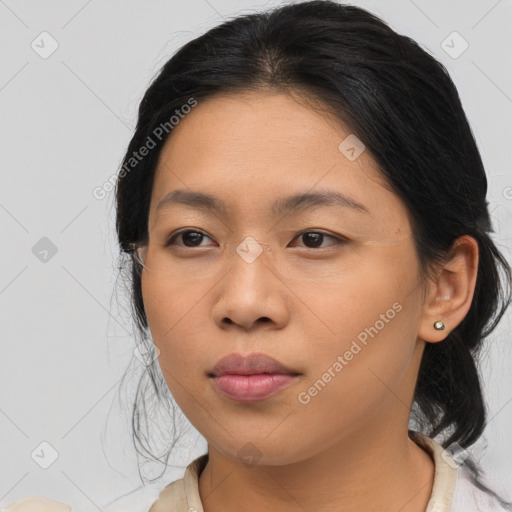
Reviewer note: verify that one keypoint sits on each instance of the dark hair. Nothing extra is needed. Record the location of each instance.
(402, 104)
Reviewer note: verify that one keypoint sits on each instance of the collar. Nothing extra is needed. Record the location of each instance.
(445, 473)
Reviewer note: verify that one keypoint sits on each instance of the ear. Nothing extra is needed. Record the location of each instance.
(450, 294)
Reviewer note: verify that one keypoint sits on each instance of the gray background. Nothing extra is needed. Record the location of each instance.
(66, 337)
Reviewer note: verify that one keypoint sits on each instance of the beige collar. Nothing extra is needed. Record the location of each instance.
(445, 474)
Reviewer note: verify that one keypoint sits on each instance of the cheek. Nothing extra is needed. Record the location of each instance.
(171, 305)
(340, 310)
(357, 373)
(362, 329)
(176, 322)
(176, 319)
(367, 327)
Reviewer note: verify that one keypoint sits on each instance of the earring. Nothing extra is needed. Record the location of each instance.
(439, 325)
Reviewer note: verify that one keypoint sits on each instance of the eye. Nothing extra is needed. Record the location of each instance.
(190, 237)
(316, 238)
(313, 239)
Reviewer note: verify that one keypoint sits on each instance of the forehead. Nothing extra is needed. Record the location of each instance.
(256, 147)
(255, 127)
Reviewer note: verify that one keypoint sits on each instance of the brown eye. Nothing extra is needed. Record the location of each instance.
(315, 239)
(190, 238)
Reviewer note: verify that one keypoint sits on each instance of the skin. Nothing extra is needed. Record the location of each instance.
(347, 448)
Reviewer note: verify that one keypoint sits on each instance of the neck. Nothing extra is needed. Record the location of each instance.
(371, 469)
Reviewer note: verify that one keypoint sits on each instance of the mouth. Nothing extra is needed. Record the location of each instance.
(252, 378)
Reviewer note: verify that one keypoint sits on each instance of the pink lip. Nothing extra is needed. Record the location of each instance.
(251, 378)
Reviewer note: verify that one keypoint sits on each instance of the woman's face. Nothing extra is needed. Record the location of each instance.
(338, 306)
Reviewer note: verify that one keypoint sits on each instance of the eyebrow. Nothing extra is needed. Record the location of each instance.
(301, 201)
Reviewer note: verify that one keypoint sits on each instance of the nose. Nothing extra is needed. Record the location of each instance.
(251, 293)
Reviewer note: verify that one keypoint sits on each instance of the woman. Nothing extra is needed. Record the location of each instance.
(306, 209)
(312, 258)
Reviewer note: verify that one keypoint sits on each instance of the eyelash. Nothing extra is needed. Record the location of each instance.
(339, 239)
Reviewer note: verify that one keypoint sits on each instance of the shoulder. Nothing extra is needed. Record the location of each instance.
(469, 497)
(454, 489)
(151, 496)
(36, 504)
(172, 497)
(138, 500)
(182, 495)
(179, 496)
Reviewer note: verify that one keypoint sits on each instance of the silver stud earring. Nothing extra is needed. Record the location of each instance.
(439, 325)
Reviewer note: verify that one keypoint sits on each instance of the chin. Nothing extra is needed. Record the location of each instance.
(261, 451)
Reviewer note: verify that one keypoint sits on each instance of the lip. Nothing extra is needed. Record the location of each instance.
(251, 378)
(253, 364)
